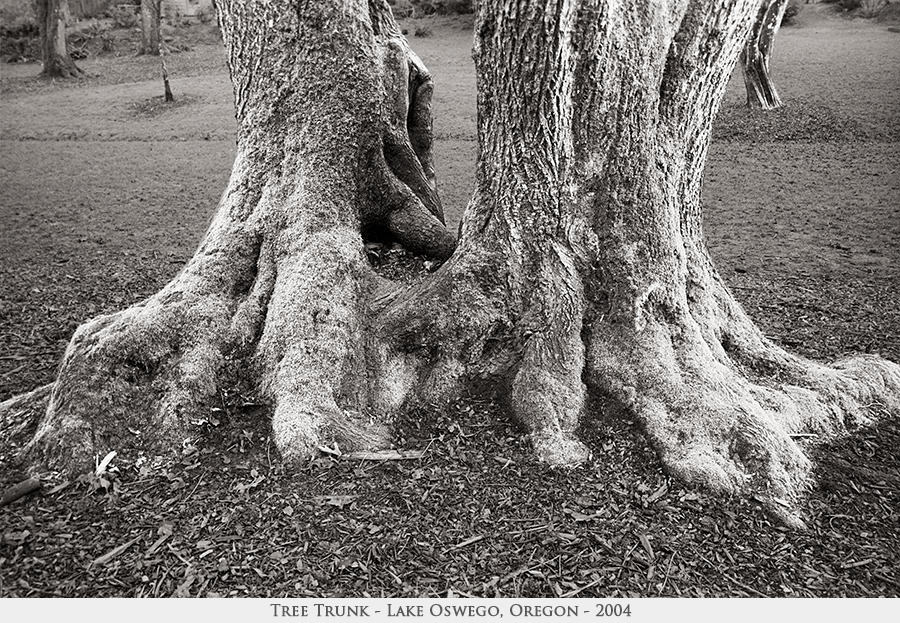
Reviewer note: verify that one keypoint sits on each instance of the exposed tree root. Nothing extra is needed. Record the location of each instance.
(547, 394)
(135, 378)
(727, 409)
(403, 186)
(64, 68)
(20, 415)
(577, 271)
(313, 348)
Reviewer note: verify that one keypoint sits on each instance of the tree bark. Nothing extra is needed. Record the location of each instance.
(580, 271)
(51, 17)
(150, 37)
(587, 221)
(761, 91)
(334, 138)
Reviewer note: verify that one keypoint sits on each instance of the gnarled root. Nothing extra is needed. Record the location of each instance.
(280, 285)
(138, 377)
(548, 395)
(134, 379)
(718, 426)
(312, 352)
(403, 186)
(476, 321)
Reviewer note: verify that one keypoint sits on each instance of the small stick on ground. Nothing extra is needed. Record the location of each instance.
(105, 558)
(19, 490)
(385, 455)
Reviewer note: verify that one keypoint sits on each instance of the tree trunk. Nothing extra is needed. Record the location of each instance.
(167, 89)
(586, 220)
(334, 138)
(581, 268)
(761, 92)
(51, 17)
(150, 37)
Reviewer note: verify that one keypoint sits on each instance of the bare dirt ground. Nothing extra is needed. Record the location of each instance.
(104, 194)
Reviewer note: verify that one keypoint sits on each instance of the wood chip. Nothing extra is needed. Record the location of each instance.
(582, 588)
(59, 487)
(861, 563)
(101, 467)
(156, 545)
(645, 543)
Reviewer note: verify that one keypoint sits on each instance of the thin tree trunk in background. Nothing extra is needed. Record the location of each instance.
(150, 23)
(51, 16)
(167, 91)
(761, 91)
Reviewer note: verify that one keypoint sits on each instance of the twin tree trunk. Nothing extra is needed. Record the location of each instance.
(51, 17)
(580, 268)
(761, 92)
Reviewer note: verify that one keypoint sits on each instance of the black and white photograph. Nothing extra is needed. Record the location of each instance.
(438, 310)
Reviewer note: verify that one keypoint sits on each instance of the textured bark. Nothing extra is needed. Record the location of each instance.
(334, 137)
(51, 17)
(581, 267)
(150, 38)
(761, 91)
(587, 211)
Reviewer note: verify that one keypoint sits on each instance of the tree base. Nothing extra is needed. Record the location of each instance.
(728, 410)
(61, 67)
(578, 272)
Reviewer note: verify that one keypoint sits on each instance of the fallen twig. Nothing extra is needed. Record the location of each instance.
(114, 552)
(662, 586)
(385, 455)
(20, 490)
(572, 593)
(467, 542)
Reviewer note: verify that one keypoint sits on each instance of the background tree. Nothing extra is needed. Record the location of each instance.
(581, 268)
(150, 25)
(761, 91)
(152, 42)
(164, 70)
(51, 17)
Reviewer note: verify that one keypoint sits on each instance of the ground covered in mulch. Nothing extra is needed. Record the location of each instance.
(803, 218)
(475, 515)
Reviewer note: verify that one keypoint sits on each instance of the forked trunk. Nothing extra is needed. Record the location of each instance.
(761, 91)
(581, 266)
(150, 37)
(51, 16)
